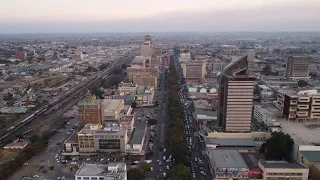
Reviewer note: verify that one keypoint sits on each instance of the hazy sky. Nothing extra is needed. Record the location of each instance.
(158, 15)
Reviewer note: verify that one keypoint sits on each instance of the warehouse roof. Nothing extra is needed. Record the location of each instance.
(226, 159)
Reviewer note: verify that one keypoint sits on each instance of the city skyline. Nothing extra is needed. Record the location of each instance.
(163, 16)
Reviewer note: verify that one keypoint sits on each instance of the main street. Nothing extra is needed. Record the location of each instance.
(199, 165)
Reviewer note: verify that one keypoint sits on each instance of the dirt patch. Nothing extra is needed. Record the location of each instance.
(6, 156)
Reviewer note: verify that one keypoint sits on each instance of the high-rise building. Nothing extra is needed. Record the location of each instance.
(193, 69)
(145, 79)
(235, 101)
(137, 70)
(298, 67)
(90, 110)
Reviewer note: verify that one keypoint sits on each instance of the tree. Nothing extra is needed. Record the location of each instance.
(34, 138)
(146, 167)
(97, 92)
(313, 75)
(313, 51)
(278, 147)
(91, 69)
(104, 66)
(266, 70)
(124, 66)
(135, 174)
(302, 83)
(117, 71)
(134, 104)
(180, 172)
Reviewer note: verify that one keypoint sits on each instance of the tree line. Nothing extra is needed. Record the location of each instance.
(177, 143)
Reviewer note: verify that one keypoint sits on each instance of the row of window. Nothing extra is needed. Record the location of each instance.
(88, 178)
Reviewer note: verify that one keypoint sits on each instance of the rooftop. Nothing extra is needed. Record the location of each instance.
(311, 156)
(226, 159)
(138, 133)
(94, 102)
(112, 104)
(73, 138)
(281, 165)
(252, 159)
(233, 142)
(138, 60)
(104, 170)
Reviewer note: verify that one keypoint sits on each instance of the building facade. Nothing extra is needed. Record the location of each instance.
(126, 88)
(235, 101)
(299, 105)
(145, 79)
(95, 138)
(283, 170)
(137, 70)
(194, 69)
(298, 67)
(90, 110)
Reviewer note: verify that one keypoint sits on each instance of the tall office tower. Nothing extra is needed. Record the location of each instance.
(298, 67)
(194, 69)
(235, 101)
(90, 110)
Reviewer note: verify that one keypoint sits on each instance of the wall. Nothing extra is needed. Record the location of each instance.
(252, 135)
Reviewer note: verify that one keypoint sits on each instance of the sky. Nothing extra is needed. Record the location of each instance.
(67, 16)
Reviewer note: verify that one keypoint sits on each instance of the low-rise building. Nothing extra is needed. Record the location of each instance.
(110, 171)
(95, 138)
(17, 144)
(145, 96)
(228, 164)
(299, 104)
(112, 109)
(263, 115)
(126, 88)
(137, 142)
(283, 170)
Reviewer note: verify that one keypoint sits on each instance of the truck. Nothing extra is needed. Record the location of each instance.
(148, 161)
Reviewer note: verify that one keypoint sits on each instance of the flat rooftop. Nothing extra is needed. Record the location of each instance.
(311, 156)
(226, 159)
(112, 104)
(233, 142)
(300, 133)
(138, 60)
(282, 165)
(101, 169)
(252, 159)
(85, 102)
(138, 133)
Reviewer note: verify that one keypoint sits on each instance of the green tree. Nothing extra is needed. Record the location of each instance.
(97, 92)
(124, 66)
(266, 70)
(135, 174)
(134, 104)
(302, 83)
(146, 167)
(104, 66)
(91, 69)
(278, 147)
(116, 71)
(180, 172)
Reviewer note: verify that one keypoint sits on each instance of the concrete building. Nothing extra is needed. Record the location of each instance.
(300, 104)
(136, 70)
(298, 67)
(228, 164)
(110, 171)
(263, 115)
(141, 61)
(235, 101)
(90, 110)
(145, 79)
(95, 138)
(145, 96)
(136, 145)
(283, 170)
(112, 109)
(194, 69)
(126, 88)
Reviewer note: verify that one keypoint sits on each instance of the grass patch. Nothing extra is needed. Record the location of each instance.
(6, 155)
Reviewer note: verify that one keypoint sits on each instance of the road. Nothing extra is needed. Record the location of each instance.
(199, 164)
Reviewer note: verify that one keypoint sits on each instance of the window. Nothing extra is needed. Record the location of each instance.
(94, 178)
(86, 178)
(79, 178)
(101, 178)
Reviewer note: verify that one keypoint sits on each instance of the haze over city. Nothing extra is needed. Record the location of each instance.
(36, 16)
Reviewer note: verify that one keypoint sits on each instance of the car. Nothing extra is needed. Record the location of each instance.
(151, 169)
(35, 176)
(25, 164)
(168, 167)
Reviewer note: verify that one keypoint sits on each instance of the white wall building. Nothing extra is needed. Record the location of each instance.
(111, 171)
(263, 115)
